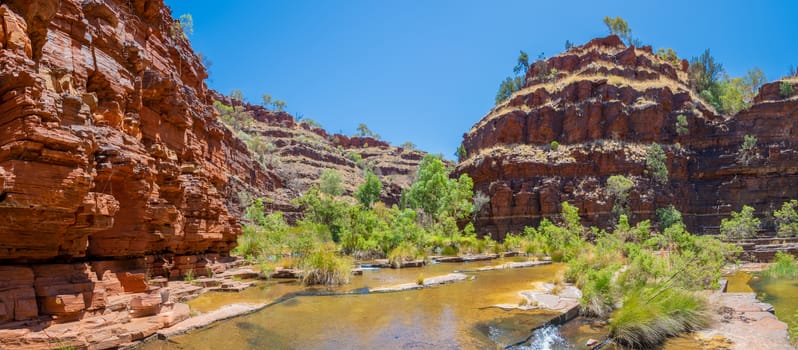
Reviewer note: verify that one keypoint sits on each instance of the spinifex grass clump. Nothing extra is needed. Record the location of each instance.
(324, 266)
(784, 266)
(650, 315)
(406, 251)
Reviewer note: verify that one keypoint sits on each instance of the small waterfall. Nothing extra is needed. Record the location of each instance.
(545, 338)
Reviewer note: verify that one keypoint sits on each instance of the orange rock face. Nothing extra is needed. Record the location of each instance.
(605, 104)
(109, 145)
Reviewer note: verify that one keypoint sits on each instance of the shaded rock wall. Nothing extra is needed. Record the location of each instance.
(605, 103)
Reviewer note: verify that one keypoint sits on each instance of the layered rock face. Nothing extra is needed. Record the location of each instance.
(298, 152)
(112, 164)
(605, 104)
(114, 168)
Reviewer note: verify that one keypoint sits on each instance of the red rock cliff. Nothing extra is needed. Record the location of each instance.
(605, 103)
(112, 163)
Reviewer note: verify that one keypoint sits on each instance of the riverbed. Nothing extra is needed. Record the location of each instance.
(452, 316)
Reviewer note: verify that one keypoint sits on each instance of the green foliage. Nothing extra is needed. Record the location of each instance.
(704, 73)
(461, 153)
(554, 145)
(508, 87)
(650, 315)
(681, 124)
(568, 45)
(617, 26)
(784, 266)
(364, 131)
(741, 225)
(618, 187)
(655, 163)
(183, 26)
(233, 116)
(266, 100)
(747, 151)
(405, 251)
(523, 63)
(669, 55)
(369, 192)
(330, 183)
(750, 84)
(787, 219)
(279, 105)
(408, 145)
(324, 266)
(731, 96)
(311, 123)
(786, 90)
(437, 195)
(669, 216)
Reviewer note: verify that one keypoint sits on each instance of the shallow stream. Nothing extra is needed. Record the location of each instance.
(455, 316)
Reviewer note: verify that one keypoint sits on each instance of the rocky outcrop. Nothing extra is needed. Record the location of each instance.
(113, 170)
(604, 104)
(115, 174)
(298, 152)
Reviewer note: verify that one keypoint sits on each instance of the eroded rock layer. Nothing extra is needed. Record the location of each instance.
(605, 104)
(115, 170)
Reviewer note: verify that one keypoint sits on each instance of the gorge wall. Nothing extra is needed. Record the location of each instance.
(605, 103)
(114, 168)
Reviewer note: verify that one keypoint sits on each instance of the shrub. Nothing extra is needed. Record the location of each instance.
(747, 151)
(461, 153)
(406, 251)
(784, 266)
(369, 192)
(741, 225)
(324, 266)
(554, 145)
(408, 145)
(669, 55)
(617, 26)
(655, 163)
(618, 187)
(681, 124)
(786, 90)
(668, 216)
(330, 183)
(649, 316)
(787, 219)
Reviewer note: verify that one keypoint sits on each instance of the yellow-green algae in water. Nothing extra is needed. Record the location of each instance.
(449, 316)
(779, 292)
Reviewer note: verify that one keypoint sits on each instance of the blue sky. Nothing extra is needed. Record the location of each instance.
(426, 71)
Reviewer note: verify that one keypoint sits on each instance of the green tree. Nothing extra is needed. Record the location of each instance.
(330, 183)
(508, 87)
(751, 82)
(618, 186)
(669, 216)
(704, 75)
(436, 194)
(364, 131)
(279, 105)
(523, 63)
(568, 45)
(731, 98)
(741, 225)
(617, 26)
(655, 163)
(369, 191)
(787, 219)
(408, 145)
(266, 100)
(461, 153)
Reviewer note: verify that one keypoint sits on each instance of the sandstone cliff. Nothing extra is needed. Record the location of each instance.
(114, 168)
(605, 103)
